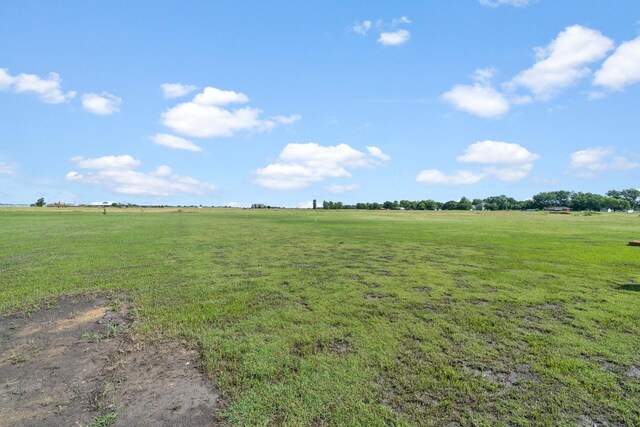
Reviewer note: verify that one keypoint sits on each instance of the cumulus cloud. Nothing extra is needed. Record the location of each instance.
(388, 32)
(300, 165)
(106, 162)
(589, 162)
(503, 161)
(362, 27)
(622, 68)
(461, 177)
(563, 62)
(559, 65)
(48, 89)
(207, 116)
(497, 152)
(103, 104)
(341, 189)
(215, 96)
(174, 142)
(394, 38)
(479, 99)
(6, 80)
(496, 3)
(378, 154)
(118, 174)
(176, 90)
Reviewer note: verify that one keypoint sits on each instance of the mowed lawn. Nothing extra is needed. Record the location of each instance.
(364, 318)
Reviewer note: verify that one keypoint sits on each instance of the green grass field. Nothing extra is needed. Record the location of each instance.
(364, 318)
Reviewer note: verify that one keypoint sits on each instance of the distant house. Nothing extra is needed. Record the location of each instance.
(258, 206)
(109, 203)
(478, 207)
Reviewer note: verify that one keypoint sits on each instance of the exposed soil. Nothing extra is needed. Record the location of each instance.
(75, 363)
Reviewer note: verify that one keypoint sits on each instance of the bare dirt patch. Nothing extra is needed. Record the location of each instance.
(75, 363)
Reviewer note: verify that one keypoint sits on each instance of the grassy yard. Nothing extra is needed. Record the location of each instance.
(364, 318)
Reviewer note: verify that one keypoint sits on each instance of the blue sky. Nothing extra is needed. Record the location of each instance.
(282, 102)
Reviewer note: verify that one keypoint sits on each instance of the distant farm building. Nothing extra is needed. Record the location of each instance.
(258, 206)
(109, 203)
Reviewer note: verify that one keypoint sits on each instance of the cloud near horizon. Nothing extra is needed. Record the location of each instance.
(208, 116)
(301, 165)
(503, 161)
(117, 174)
(590, 162)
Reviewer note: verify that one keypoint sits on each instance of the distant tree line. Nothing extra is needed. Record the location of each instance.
(615, 200)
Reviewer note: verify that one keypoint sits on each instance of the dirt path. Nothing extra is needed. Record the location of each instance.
(74, 363)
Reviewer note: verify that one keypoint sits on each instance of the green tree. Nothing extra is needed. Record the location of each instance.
(632, 195)
(40, 202)
(617, 204)
(315, 204)
(451, 205)
(464, 204)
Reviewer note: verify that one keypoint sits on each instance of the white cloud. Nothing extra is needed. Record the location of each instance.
(6, 80)
(361, 27)
(563, 61)
(176, 90)
(340, 189)
(6, 169)
(118, 174)
(480, 100)
(504, 161)
(394, 38)
(285, 120)
(300, 165)
(378, 154)
(47, 89)
(436, 177)
(106, 162)
(589, 162)
(622, 68)
(214, 96)
(174, 142)
(497, 152)
(103, 104)
(496, 3)
(205, 116)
